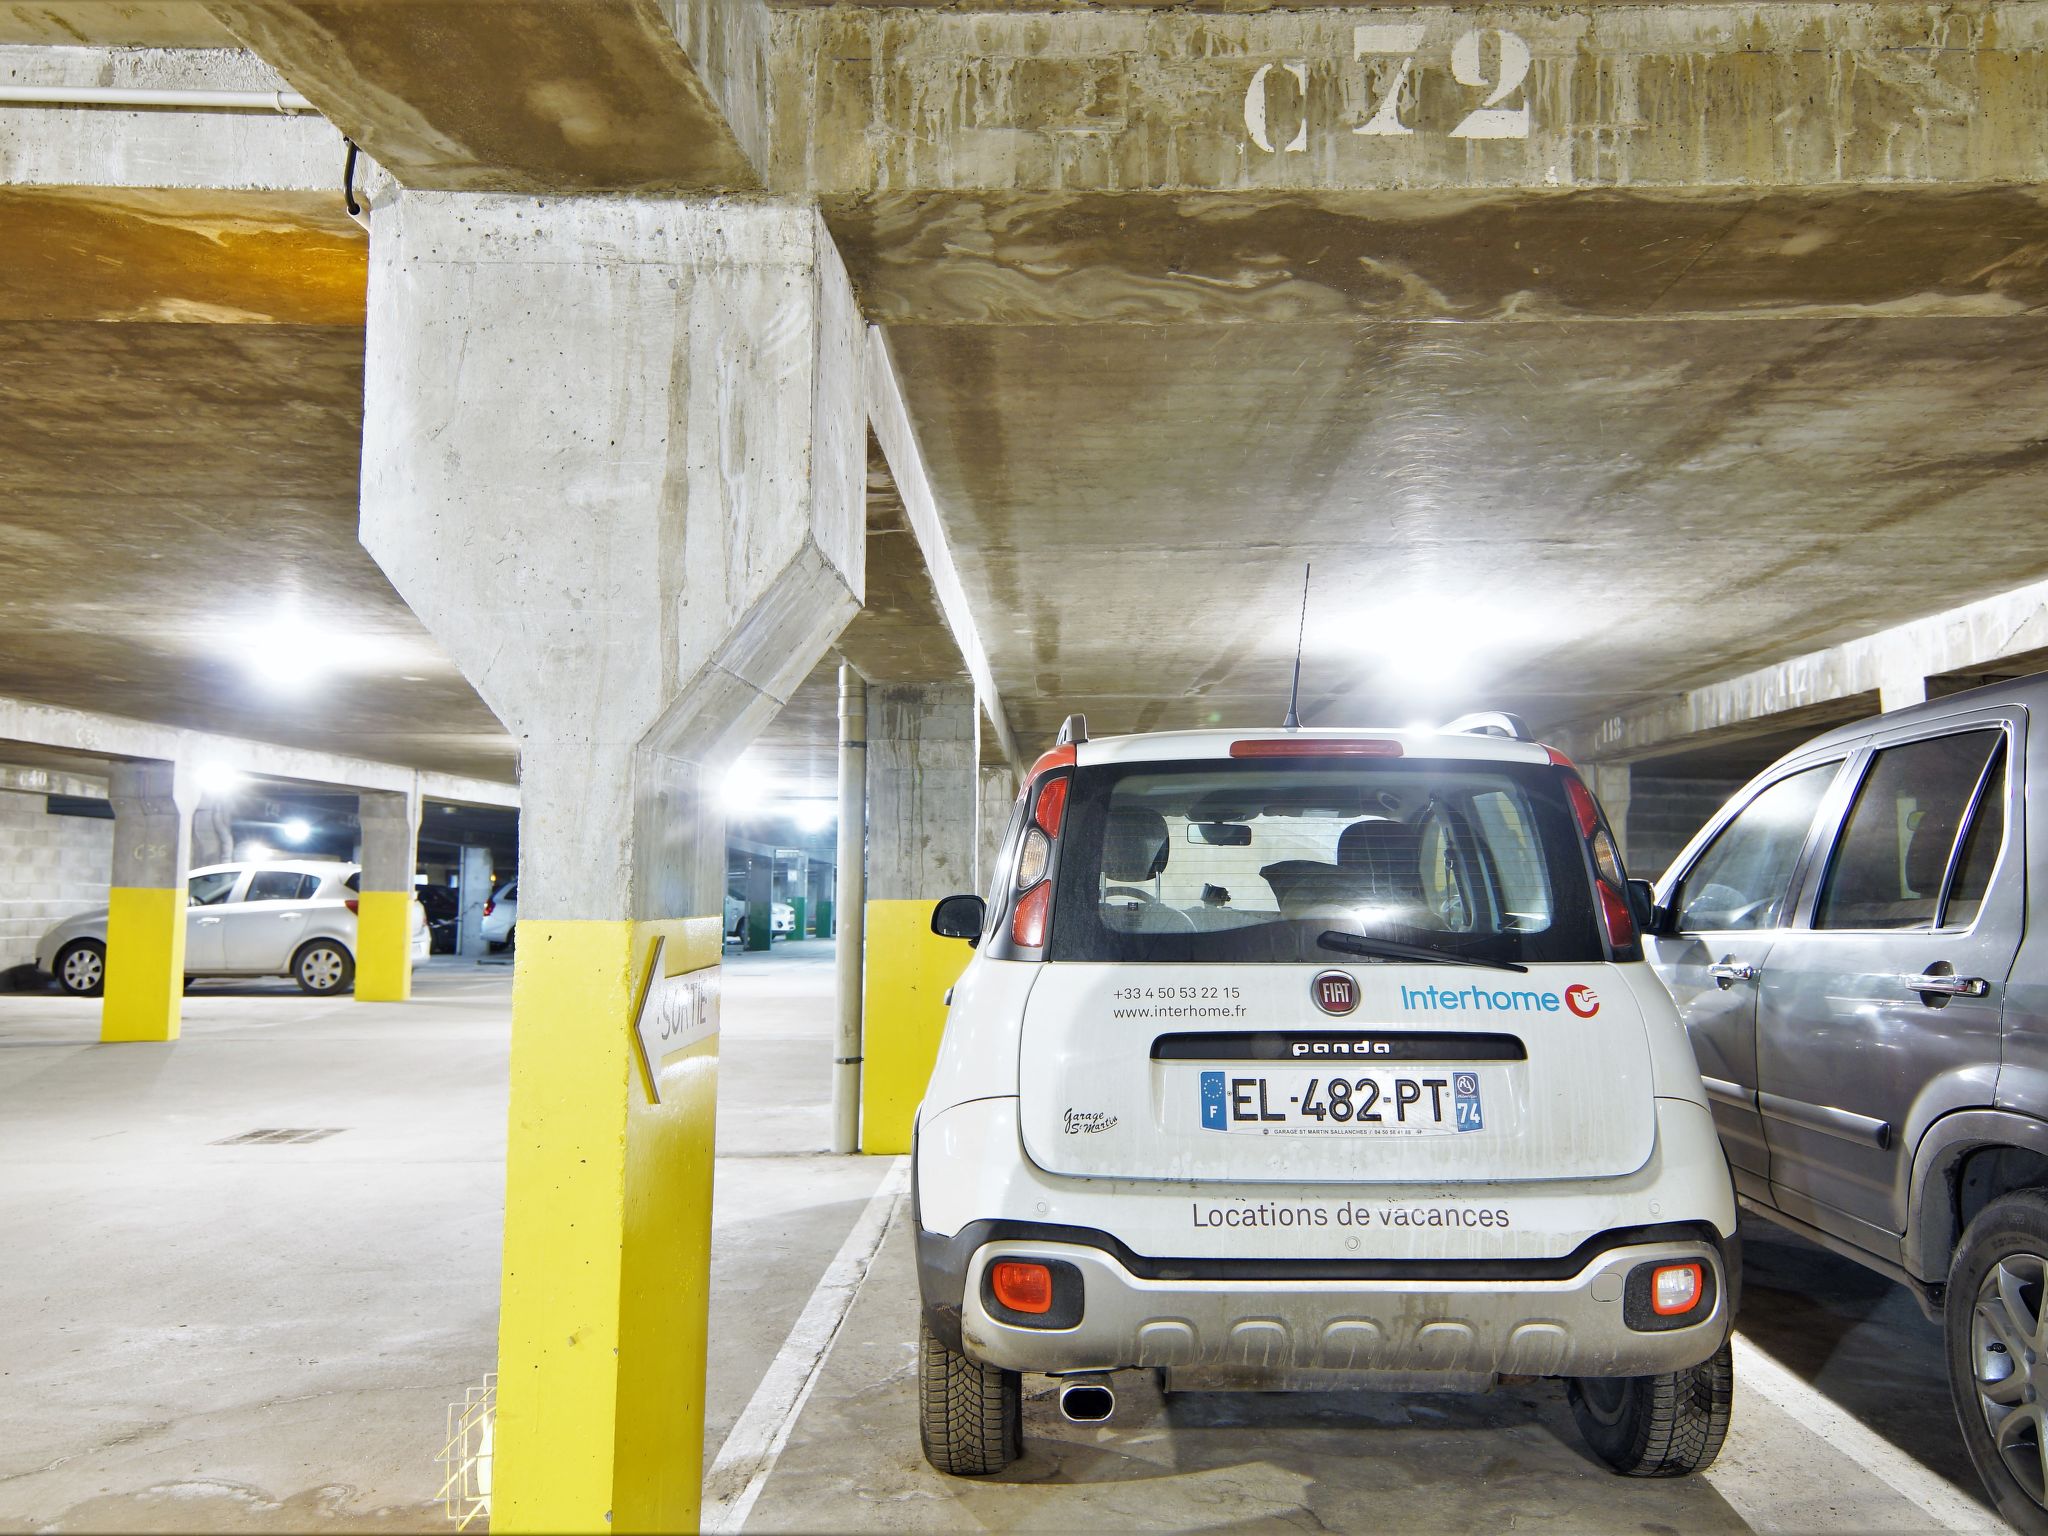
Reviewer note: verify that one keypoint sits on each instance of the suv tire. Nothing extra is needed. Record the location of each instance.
(970, 1416)
(1997, 1312)
(1658, 1426)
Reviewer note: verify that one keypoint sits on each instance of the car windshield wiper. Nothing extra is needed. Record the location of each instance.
(1388, 949)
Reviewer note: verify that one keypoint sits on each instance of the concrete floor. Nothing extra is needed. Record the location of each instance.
(202, 1337)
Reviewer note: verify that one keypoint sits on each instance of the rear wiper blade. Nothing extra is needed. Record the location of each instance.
(1388, 949)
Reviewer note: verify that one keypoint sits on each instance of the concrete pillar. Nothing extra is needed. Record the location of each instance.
(992, 819)
(213, 834)
(760, 901)
(799, 890)
(479, 877)
(923, 794)
(391, 833)
(849, 904)
(613, 456)
(145, 959)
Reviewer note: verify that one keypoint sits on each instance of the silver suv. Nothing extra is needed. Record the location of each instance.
(1849, 943)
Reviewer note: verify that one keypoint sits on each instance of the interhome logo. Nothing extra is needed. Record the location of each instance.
(1578, 999)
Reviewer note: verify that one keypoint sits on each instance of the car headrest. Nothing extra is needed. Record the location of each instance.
(1387, 853)
(1134, 843)
(1927, 853)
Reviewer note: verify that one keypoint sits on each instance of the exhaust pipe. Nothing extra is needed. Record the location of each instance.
(1087, 1399)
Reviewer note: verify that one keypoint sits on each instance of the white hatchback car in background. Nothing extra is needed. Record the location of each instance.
(1312, 1059)
(285, 917)
(499, 927)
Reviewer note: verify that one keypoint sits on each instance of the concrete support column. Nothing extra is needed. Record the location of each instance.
(992, 818)
(760, 901)
(849, 907)
(479, 876)
(649, 413)
(799, 893)
(390, 823)
(923, 795)
(145, 959)
(213, 834)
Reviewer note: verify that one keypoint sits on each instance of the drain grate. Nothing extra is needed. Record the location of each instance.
(279, 1138)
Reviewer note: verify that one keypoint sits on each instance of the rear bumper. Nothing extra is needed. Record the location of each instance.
(1577, 1317)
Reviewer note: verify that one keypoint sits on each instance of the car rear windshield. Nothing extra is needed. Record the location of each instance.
(1255, 861)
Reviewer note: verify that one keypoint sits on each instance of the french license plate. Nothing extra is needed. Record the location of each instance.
(1346, 1102)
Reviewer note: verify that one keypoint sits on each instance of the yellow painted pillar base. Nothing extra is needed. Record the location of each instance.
(145, 977)
(908, 969)
(383, 946)
(601, 1339)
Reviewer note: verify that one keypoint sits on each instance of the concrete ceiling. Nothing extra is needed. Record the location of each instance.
(112, 23)
(179, 442)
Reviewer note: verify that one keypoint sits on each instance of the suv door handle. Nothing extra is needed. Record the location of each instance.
(1726, 974)
(1948, 986)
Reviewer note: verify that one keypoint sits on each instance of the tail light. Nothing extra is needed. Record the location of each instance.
(350, 903)
(1611, 882)
(490, 906)
(1030, 913)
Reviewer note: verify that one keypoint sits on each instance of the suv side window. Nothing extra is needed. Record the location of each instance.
(1742, 879)
(1901, 836)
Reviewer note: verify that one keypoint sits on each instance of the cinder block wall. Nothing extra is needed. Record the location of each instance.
(50, 867)
(1663, 814)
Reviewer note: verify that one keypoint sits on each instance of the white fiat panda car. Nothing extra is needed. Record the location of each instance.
(1306, 1059)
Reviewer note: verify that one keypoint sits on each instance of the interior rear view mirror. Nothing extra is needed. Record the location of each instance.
(960, 917)
(1220, 834)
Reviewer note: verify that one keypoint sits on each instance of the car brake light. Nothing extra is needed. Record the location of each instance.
(1028, 1287)
(350, 903)
(490, 907)
(1558, 759)
(1583, 805)
(1621, 923)
(1674, 1289)
(1027, 922)
(1316, 746)
(1052, 807)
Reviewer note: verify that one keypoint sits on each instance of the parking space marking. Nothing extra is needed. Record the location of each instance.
(762, 1431)
(1947, 1506)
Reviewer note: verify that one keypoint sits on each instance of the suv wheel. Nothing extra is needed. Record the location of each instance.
(1657, 1426)
(81, 968)
(323, 966)
(1996, 1321)
(971, 1416)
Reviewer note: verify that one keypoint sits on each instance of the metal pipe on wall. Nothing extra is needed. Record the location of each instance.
(143, 96)
(850, 899)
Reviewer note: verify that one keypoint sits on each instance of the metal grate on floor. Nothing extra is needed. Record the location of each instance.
(279, 1138)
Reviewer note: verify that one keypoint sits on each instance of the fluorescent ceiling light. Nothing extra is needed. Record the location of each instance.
(297, 829)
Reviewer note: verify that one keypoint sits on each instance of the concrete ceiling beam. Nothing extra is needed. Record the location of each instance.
(98, 739)
(526, 96)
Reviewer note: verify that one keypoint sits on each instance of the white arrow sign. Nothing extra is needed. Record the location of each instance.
(675, 1013)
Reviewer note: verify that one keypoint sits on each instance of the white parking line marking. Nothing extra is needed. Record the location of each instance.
(758, 1437)
(1947, 1506)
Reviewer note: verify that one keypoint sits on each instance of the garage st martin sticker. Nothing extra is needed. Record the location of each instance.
(676, 1012)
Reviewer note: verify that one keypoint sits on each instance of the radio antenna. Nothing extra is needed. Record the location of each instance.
(1293, 720)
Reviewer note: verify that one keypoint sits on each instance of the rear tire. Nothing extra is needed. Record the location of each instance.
(1996, 1327)
(970, 1416)
(323, 967)
(1657, 1426)
(81, 968)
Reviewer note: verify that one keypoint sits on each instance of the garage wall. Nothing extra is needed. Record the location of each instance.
(50, 867)
(1664, 813)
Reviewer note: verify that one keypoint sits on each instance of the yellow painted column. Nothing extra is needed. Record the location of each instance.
(601, 1342)
(390, 822)
(907, 972)
(145, 951)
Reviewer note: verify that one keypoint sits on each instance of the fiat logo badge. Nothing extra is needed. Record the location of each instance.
(1334, 992)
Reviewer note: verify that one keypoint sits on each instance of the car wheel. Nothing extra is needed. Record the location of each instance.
(81, 968)
(1996, 1322)
(970, 1416)
(1657, 1426)
(323, 966)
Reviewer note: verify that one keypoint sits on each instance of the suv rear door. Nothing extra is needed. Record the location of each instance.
(1922, 882)
(1727, 906)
